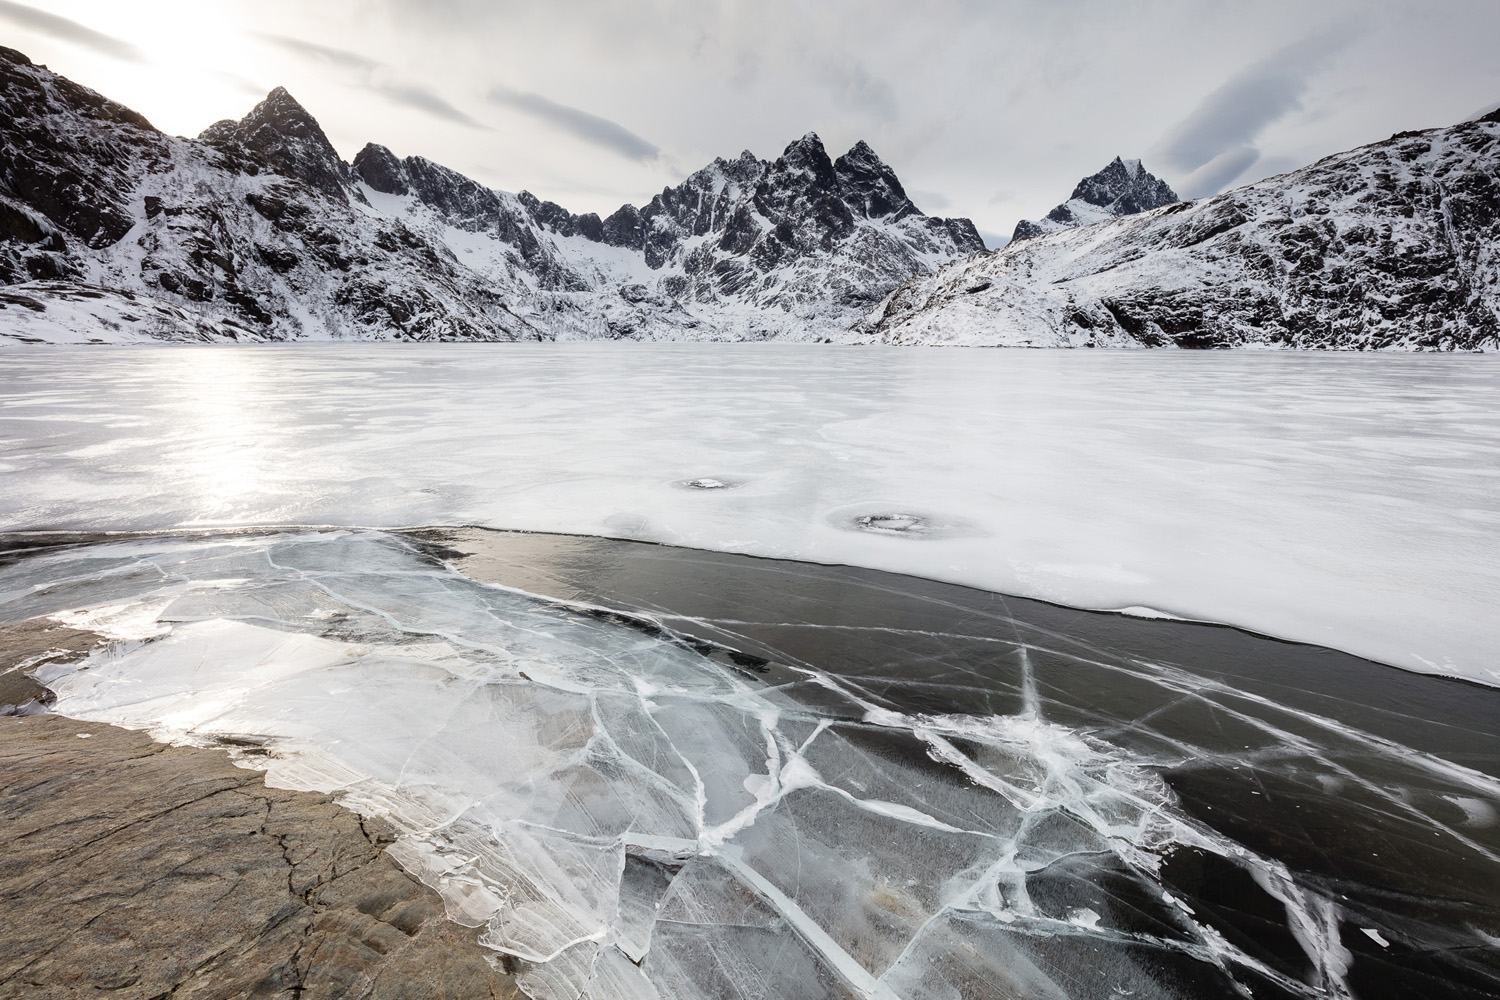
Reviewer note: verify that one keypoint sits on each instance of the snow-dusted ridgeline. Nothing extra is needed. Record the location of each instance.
(1395, 245)
(258, 230)
(111, 231)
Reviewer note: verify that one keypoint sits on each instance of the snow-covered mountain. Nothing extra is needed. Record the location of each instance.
(111, 230)
(1395, 245)
(1123, 187)
(257, 230)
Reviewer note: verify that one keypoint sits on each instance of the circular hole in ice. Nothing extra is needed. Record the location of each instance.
(894, 524)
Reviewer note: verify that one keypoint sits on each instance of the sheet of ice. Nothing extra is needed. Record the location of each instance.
(1347, 501)
(627, 817)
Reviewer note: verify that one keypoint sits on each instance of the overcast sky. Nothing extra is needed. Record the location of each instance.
(987, 109)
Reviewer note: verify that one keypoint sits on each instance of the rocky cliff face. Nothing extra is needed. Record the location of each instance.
(1124, 187)
(1395, 245)
(258, 230)
(803, 233)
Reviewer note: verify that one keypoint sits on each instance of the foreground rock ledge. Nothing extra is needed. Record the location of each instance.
(150, 871)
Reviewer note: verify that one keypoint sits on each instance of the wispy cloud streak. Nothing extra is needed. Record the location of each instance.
(377, 77)
(62, 29)
(581, 124)
(1216, 143)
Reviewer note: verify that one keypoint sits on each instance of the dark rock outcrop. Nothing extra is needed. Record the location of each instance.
(281, 134)
(1124, 187)
(68, 156)
(379, 168)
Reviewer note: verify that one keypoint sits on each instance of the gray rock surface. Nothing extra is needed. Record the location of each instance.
(136, 870)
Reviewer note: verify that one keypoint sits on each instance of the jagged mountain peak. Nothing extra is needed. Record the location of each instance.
(870, 187)
(1123, 187)
(279, 112)
(807, 155)
(380, 168)
(1126, 185)
(283, 134)
(810, 140)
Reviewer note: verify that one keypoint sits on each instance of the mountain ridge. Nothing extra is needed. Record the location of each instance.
(112, 231)
(1394, 245)
(259, 223)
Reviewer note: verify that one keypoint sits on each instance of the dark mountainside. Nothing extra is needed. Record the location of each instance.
(259, 230)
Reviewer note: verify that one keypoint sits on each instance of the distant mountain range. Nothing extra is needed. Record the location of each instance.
(111, 231)
(258, 230)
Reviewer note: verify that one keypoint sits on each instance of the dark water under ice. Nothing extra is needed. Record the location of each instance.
(1372, 788)
(875, 785)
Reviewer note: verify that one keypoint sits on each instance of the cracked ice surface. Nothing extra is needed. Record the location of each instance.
(629, 812)
(1345, 501)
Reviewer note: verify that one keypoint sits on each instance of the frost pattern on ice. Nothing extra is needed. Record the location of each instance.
(625, 816)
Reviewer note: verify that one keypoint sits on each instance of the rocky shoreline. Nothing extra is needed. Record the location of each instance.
(149, 871)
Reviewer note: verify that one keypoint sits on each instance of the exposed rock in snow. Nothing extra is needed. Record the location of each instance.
(260, 225)
(67, 312)
(1124, 187)
(1395, 245)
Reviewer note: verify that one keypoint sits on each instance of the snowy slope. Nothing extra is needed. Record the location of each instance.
(1395, 245)
(259, 223)
(66, 312)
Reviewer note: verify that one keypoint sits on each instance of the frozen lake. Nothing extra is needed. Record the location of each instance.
(1348, 501)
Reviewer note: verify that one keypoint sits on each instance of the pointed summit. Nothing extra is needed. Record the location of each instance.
(282, 134)
(871, 188)
(808, 154)
(1123, 187)
(802, 185)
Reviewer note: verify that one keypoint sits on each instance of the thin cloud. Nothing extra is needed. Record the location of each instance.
(1218, 173)
(376, 76)
(1223, 130)
(856, 88)
(424, 100)
(65, 30)
(590, 128)
(243, 84)
(342, 58)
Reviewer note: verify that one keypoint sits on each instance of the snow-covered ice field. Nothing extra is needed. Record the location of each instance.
(1348, 501)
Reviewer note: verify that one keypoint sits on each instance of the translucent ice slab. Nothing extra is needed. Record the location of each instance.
(959, 803)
